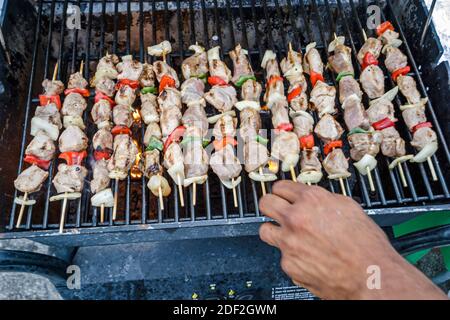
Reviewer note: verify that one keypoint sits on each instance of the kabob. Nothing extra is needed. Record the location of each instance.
(41, 150)
(322, 100)
(363, 139)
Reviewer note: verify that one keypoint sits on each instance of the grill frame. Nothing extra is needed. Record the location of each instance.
(85, 229)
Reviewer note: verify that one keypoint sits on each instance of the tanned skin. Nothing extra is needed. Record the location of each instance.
(328, 242)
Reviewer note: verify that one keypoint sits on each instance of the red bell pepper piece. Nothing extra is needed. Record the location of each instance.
(387, 25)
(421, 125)
(43, 164)
(214, 81)
(383, 124)
(45, 100)
(332, 145)
(101, 96)
(284, 127)
(83, 91)
(174, 136)
(294, 93)
(306, 142)
(72, 157)
(314, 76)
(220, 144)
(166, 81)
(102, 154)
(272, 80)
(133, 84)
(401, 71)
(368, 60)
(120, 130)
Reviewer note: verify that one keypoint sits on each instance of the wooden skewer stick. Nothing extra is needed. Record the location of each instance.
(81, 67)
(22, 210)
(433, 172)
(161, 201)
(341, 182)
(102, 213)
(402, 175)
(369, 176)
(234, 194)
(308, 183)
(63, 213)
(294, 178)
(180, 190)
(194, 194)
(55, 71)
(364, 35)
(263, 186)
(116, 196)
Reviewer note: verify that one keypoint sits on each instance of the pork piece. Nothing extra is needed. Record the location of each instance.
(414, 116)
(241, 64)
(300, 102)
(371, 45)
(292, 69)
(147, 78)
(151, 163)
(129, 69)
(170, 119)
(101, 112)
(50, 114)
(52, 87)
(251, 90)
(152, 130)
(74, 105)
(195, 116)
(149, 108)
(31, 179)
(395, 59)
(303, 125)
(313, 61)
(161, 69)
(388, 36)
(218, 68)
(225, 127)
(196, 65)
(380, 110)
(255, 155)
(392, 145)
(125, 95)
(225, 164)
(122, 115)
(408, 88)
(422, 137)
(76, 80)
(341, 60)
(196, 160)
(347, 87)
(364, 143)
(222, 98)
(100, 180)
(328, 129)
(323, 98)
(124, 155)
(192, 90)
(284, 145)
(169, 97)
(309, 160)
(372, 81)
(250, 123)
(108, 62)
(69, 178)
(73, 139)
(280, 113)
(173, 155)
(102, 140)
(336, 163)
(354, 113)
(106, 86)
(41, 146)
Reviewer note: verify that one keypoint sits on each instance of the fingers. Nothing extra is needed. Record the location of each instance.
(273, 206)
(271, 234)
(289, 190)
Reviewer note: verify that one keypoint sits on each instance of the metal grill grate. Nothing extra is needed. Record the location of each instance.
(128, 27)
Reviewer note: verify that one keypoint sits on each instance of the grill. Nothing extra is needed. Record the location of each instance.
(128, 27)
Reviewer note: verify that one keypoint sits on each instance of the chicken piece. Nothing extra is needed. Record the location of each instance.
(73, 139)
(76, 80)
(225, 164)
(275, 85)
(170, 119)
(309, 160)
(341, 60)
(108, 62)
(169, 97)
(195, 116)
(147, 78)
(124, 155)
(380, 110)
(52, 87)
(222, 98)
(270, 64)
(336, 163)
(250, 123)
(196, 160)
(100, 180)
(328, 129)
(280, 113)
(103, 140)
(372, 81)
(101, 112)
(285, 146)
(241, 64)
(42, 147)
(292, 69)
(122, 115)
(414, 116)
(388, 36)
(173, 155)
(392, 145)
(251, 90)
(323, 98)
(225, 127)
(70, 178)
(395, 59)
(31, 179)
(152, 130)
(151, 163)
(218, 68)
(74, 105)
(105, 85)
(354, 113)
(372, 45)
(125, 95)
(50, 114)
(313, 61)
(255, 155)
(408, 88)
(300, 102)
(149, 108)
(129, 69)
(347, 87)
(196, 65)
(192, 90)
(161, 69)
(303, 125)
(423, 137)
(364, 143)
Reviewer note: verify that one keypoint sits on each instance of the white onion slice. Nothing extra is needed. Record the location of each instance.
(426, 152)
(290, 160)
(295, 71)
(159, 49)
(157, 181)
(38, 124)
(390, 95)
(73, 121)
(229, 183)
(309, 47)
(175, 171)
(196, 48)
(422, 102)
(241, 105)
(337, 41)
(262, 177)
(104, 197)
(310, 176)
(338, 176)
(268, 55)
(401, 159)
(68, 195)
(214, 54)
(367, 162)
(216, 118)
(198, 180)
(28, 202)
(116, 174)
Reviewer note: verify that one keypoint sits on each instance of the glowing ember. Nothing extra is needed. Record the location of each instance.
(135, 171)
(136, 116)
(273, 166)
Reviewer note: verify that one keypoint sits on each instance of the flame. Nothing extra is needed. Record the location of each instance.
(135, 171)
(136, 116)
(273, 166)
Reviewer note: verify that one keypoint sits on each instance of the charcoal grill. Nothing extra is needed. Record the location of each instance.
(128, 27)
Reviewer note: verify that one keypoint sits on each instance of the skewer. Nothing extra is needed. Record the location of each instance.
(22, 209)
(116, 195)
(341, 182)
(369, 176)
(234, 194)
(308, 183)
(161, 202)
(55, 71)
(402, 175)
(63, 213)
(81, 67)
(364, 35)
(294, 178)
(102, 213)
(180, 190)
(194, 194)
(433, 172)
(263, 186)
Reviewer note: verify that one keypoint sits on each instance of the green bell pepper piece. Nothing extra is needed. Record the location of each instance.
(154, 143)
(243, 79)
(357, 130)
(146, 90)
(262, 140)
(344, 74)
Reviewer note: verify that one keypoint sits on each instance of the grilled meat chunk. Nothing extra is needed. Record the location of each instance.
(225, 164)
(106, 86)
(196, 65)
(173, 155)
(52, 87)
(70, 178)
(241, 64)
(414, 116)
(74, 105)
(76, 80)
(292, 69)
(152, 130)
(100, 180)
(192, 90)
(196, 160)
(347, 87)
(122, 115)
(395, 59)
(380, 110)
(102, 140)
(371, 45)
(107, 65)
(124, 153)
(251, 90)
(147, 78)
(422, 137)
(255, 154)
(222, 98)
(328, 129)
(388, 36)
(392, 145)
(225, 127)
(31, 179)
(250, 123)
(364, 143)
(312, 61)
(151, 163)
(408, 88)
(286, 147)
(163, 69)
(129, 69)
(300, 102)
(309, 160)
(336, 163)
(170, 119)
(341, 60)
(303, 124)
(280, 113)
(73, 139)
(125, 95)
(42, 147)
(323, 98)
(50, 114)
(218, 68)
(195, 116)
(372, 81)
(101, 112)
(169, 97)
(149, 108)
(354, 113)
